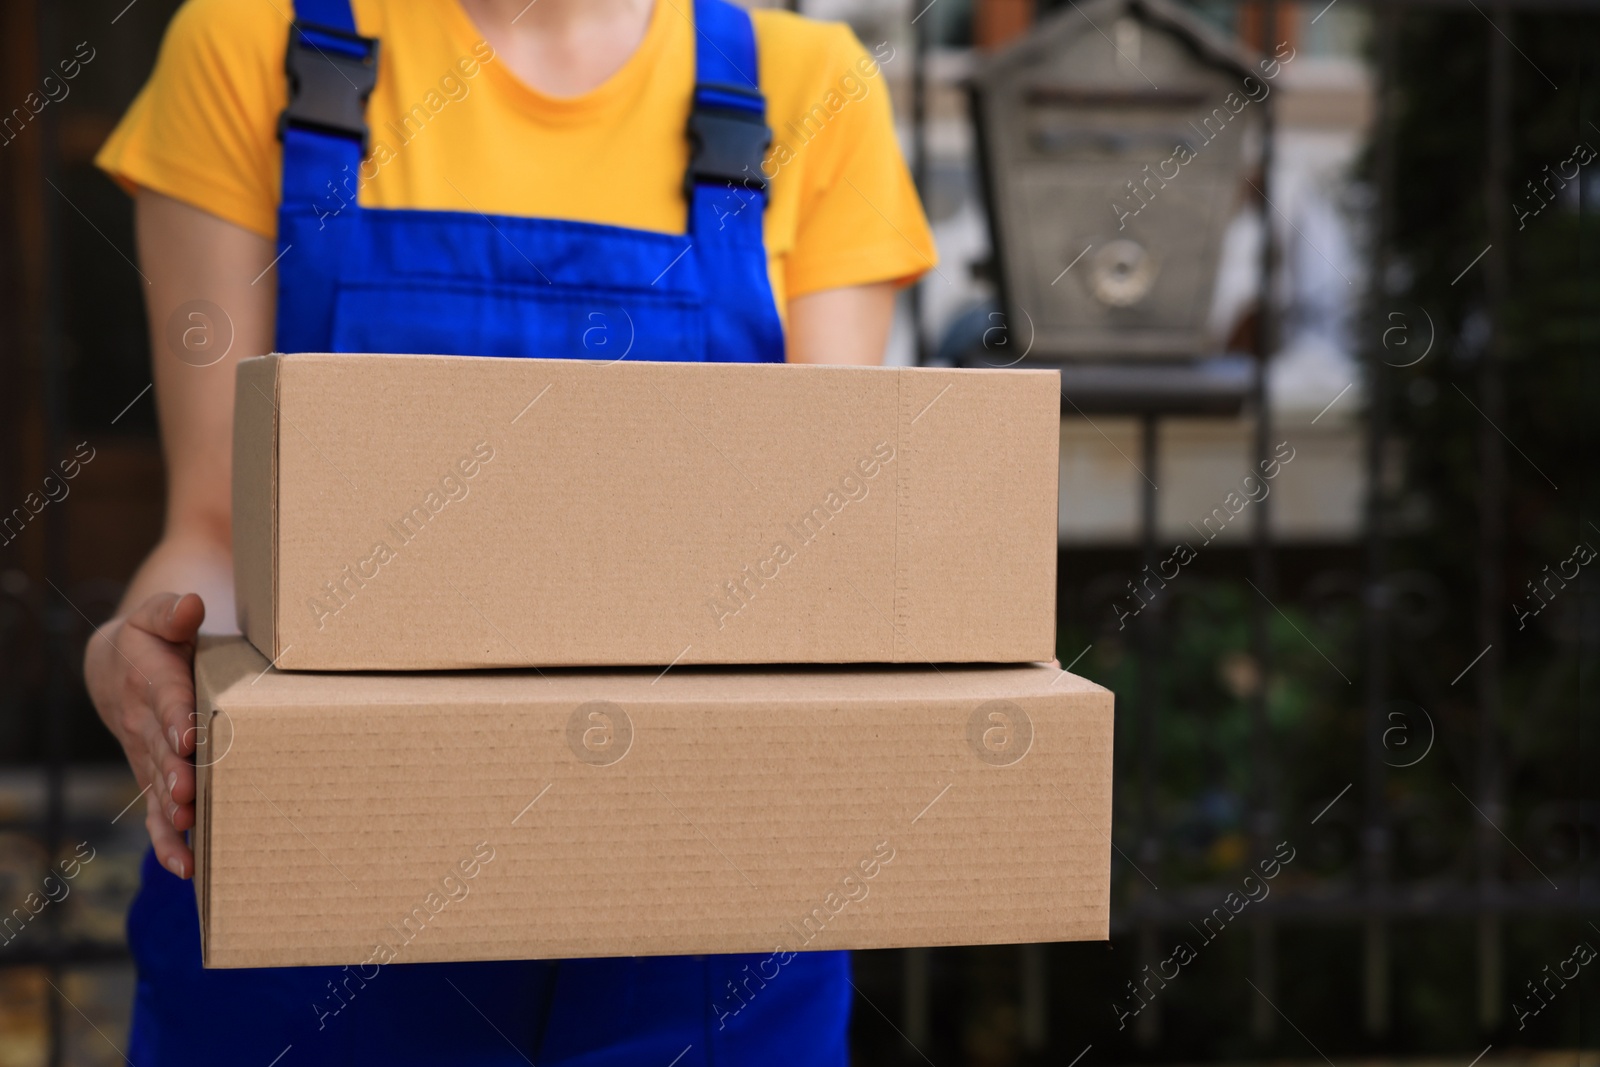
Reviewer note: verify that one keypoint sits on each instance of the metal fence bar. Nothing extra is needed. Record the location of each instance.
(1375, 607)
(1147, 1027)
(59, 621)
(1263, 812)
(1492, 499)
(921, 42)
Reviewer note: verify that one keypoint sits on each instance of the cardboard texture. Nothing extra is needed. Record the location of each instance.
(438, 512)
(364, 819)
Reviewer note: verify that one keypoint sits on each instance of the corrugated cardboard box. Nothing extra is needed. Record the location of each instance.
(368, 819)
(422, 512)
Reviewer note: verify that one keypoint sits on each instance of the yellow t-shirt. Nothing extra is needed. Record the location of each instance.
(454, 129)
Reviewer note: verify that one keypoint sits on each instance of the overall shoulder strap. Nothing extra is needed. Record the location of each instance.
(331, 71)
(334, 14)
(728, 131)
(725, 45)
(726, 189)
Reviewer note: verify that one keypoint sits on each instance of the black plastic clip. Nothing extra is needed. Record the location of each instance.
(329, 83)
(728, 138)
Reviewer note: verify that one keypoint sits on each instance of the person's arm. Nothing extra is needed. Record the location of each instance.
(847, 325)
(139, 666)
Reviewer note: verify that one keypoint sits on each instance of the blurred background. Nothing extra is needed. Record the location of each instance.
(1323, 284)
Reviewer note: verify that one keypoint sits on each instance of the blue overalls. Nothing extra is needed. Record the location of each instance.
(363, 280)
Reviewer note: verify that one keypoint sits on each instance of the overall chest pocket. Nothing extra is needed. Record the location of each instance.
(444, 317)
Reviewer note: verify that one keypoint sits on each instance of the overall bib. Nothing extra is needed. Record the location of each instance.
(354, 279)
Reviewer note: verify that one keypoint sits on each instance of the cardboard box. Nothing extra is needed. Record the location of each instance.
(364, 819)
(437, 512)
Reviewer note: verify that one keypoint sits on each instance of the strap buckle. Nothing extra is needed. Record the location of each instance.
(728, 137)
(331, 75)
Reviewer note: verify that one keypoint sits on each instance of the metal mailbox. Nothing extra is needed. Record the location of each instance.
(1115, 139)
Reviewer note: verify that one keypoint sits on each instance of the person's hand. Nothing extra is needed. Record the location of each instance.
(140, 674)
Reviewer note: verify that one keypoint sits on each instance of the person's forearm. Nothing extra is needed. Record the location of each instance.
(188, 562)
(845, 326)
(139, 666)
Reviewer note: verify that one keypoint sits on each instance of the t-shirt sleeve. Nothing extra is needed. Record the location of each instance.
(859, 218)
(203, 128)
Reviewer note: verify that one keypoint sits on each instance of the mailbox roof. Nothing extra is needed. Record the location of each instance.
(1210, 45)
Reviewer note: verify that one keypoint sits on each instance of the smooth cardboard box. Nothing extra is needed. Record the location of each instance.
(438, 512)
(362, 819)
